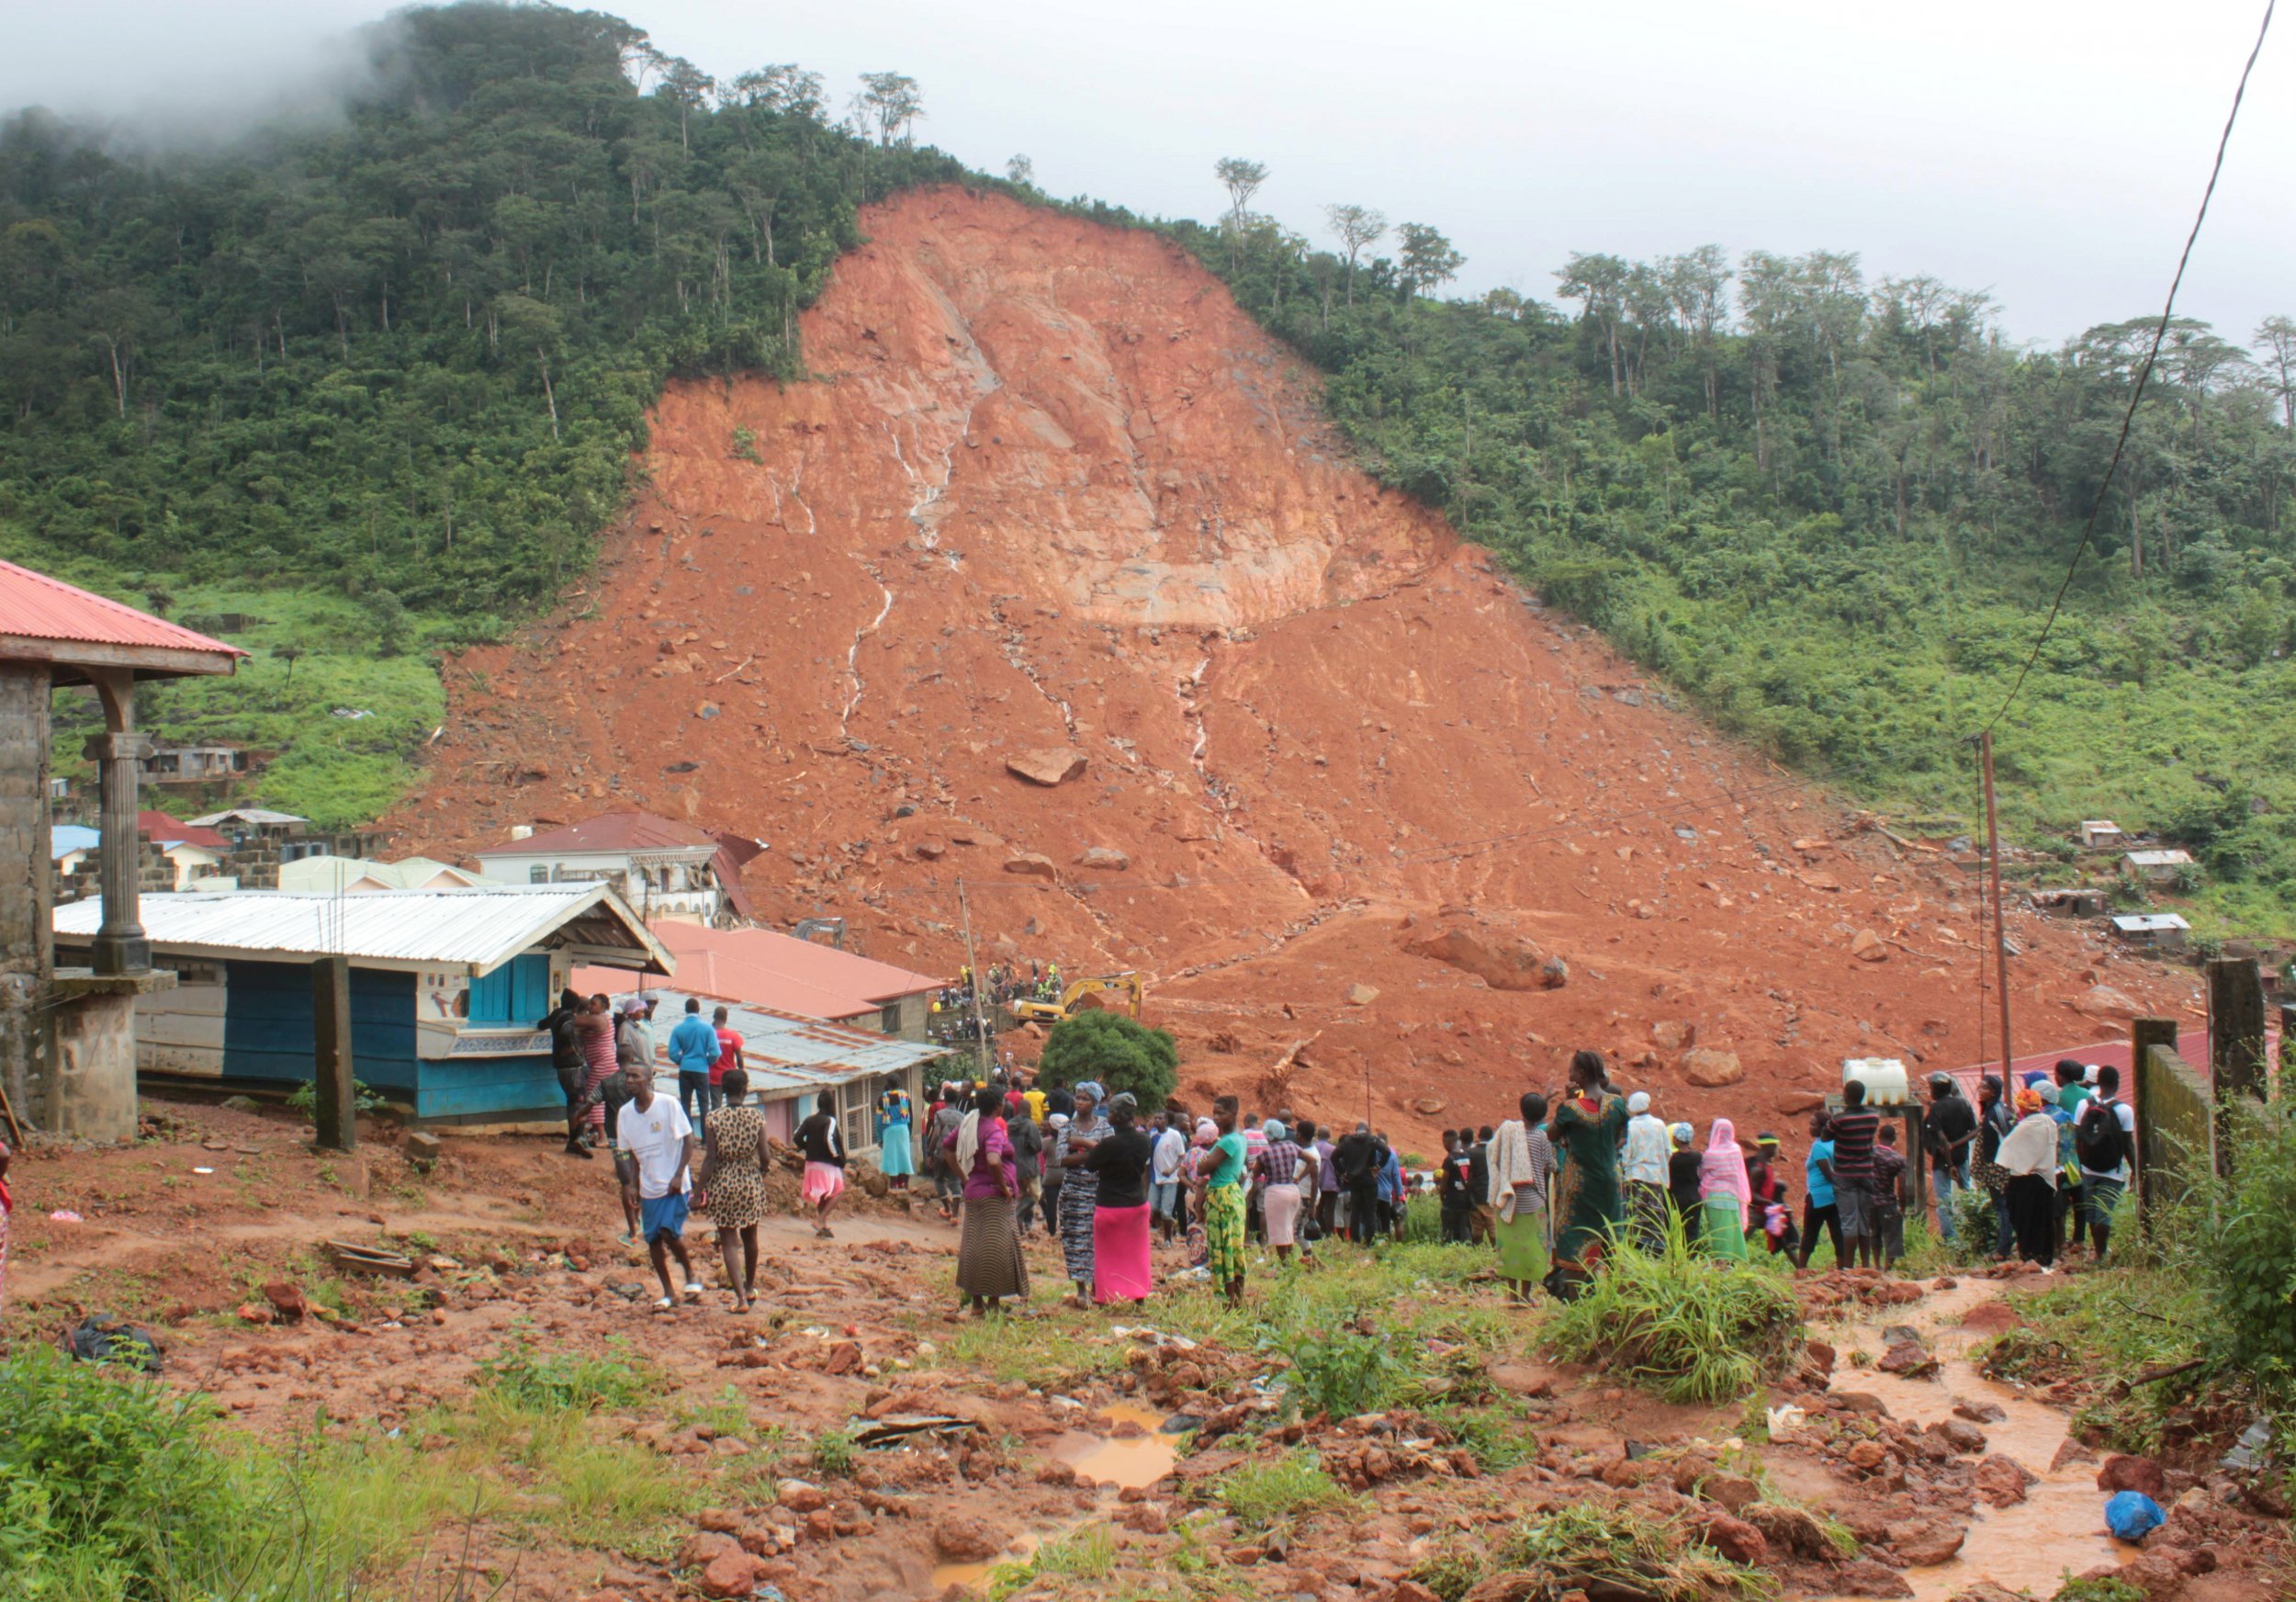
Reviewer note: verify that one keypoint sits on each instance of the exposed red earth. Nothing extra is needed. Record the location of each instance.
(1049, 492)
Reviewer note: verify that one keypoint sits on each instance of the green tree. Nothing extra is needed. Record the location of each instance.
(1428, 258)
(1119, 1053)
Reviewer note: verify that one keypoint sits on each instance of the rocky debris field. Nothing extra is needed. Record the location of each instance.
(1051, 579)
(1380, 1428)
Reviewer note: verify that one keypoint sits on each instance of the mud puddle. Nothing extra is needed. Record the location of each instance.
(1133, 1455)
(2031, 1545)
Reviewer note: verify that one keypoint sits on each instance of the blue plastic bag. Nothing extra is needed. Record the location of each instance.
(2132, 1515)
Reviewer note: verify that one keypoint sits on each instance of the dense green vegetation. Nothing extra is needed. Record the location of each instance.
(376, 381)
(1836, 512)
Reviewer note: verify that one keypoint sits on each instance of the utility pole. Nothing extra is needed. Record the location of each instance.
(973, 988)
(2000, 935)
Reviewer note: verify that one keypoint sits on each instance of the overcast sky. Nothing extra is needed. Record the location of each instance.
(2049, 150)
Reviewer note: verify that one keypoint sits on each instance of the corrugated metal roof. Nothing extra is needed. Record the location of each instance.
(67, 838)
(2160, 859)
(2148, 922)
(763, 968)
(794, 1051)
(478, 929)
(247, 815)
(608, 831)
(35, 606)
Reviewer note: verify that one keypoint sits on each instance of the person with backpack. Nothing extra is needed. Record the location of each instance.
(2104, 1142)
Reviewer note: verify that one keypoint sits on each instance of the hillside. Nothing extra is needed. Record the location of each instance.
(1049, 487)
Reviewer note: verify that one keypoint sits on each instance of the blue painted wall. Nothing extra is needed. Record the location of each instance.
(268, 1035)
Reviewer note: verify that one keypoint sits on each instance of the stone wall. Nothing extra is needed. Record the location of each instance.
(25, 905)
(92, 1095)
(2175, 1128)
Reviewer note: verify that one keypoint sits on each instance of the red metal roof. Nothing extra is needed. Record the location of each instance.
(608, 831)
(163, 830)
(35, 606)
(775, 972)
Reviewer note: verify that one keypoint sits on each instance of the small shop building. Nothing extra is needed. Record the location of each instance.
(446, 987)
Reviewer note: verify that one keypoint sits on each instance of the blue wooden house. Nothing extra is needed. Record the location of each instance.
(446, 987)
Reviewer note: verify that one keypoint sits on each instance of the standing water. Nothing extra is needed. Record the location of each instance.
(1132, 1456)
(2030, 1545)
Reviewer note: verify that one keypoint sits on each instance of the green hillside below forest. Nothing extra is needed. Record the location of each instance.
(377, 379)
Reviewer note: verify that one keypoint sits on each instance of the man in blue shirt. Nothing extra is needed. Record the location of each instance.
(1390, 1188)
(694, 1047)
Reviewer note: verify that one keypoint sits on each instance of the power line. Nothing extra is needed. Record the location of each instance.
(2128, 418)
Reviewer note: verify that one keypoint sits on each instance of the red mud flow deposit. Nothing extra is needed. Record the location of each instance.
(1052, 507)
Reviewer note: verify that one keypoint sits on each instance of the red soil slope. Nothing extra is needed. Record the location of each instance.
(1050, 487)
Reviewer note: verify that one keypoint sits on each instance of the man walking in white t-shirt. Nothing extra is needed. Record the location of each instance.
(659, 1140)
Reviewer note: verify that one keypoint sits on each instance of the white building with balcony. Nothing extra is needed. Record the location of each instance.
(660, 868)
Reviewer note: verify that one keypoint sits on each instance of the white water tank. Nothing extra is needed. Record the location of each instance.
(1883, 1079)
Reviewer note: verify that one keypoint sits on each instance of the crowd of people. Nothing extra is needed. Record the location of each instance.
(1550, 1190)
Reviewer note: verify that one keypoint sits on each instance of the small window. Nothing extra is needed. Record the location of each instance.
(889, 1018)
(538, 875)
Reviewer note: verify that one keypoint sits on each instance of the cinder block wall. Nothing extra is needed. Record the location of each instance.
(25, 892)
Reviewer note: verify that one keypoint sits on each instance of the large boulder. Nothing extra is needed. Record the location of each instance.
(1709, 1067)
(1031, 866)
(1499, 958)
(1048, 765)
(1106, 858)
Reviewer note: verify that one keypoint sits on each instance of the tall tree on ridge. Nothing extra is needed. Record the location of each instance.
(1356, 227)
(1241, 179)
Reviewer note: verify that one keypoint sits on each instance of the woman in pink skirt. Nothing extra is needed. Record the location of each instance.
(825, 1162)
(7, 1205)
(1120, 1231)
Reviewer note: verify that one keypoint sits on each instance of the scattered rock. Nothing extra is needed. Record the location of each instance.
(1412, 1591)
(286, 1298)
(1793, 1103)
(720, 1520)
(1865, 1578)
(1907, 1361)
(1794, 1529)
(2104, 1001)
(1959, 1434)
(705, 1548)
(1861, 1402)
(799, 1497)
(1736, 1539)
(1049, 765)
(243, 1104)
(1709, 1067)
(421, 1147)
(257, 1313)
(960, 1540)
(1734, 1491)
(1820, 1356)
(1986, 1591)
(1362, 995)
(1031, 865)
(2072, 1450)
(1868, 1455)
(1672, 1034)
(1499, 957)
(1927, 1544)
(2002, 1481)
(1979, 1412)
(2125, 1471)
(731, 1573)
(2157, 1577)
(1869, 947)
(1106, 858)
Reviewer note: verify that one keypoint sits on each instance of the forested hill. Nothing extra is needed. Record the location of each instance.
(1836, 512)
(378, 379)
(410, 348)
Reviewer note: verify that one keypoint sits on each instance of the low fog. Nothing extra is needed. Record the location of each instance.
(2051, 154)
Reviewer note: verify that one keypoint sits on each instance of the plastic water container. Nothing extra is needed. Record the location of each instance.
(1883, 1079)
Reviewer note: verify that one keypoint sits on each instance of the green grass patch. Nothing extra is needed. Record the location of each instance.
(527, 1376)
(1577, 1547)
(1260, 1495)
(1690, 1327)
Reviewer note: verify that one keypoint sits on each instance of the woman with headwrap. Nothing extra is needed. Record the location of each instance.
(1682, 1179)
(1080, 1186)
(894, 1117)
(1276, 1169)
(1589, 1124)
(1119, 1164)
(1725, 1192)
(1645, 1163)
(1522, 1164)
(2029, 1156)
(1219, 1195)
(989, 1263)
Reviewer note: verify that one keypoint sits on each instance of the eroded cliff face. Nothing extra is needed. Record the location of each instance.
(1048, 488)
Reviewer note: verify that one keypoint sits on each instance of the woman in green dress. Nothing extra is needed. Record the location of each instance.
(1589, 1124)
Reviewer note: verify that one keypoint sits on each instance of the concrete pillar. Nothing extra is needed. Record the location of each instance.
(119, 945)
(2236, 1027)
(26, 880)
(91, 1090)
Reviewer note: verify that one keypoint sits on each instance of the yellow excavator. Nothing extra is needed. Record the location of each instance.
(1130, 987)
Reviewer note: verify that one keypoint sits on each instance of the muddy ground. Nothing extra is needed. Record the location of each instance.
(741, 1462)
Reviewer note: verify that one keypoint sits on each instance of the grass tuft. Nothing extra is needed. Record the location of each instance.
(1260, 1495)
(1692, 1328)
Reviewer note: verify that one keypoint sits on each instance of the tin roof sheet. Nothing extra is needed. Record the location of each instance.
(478, 929)
(35, 606)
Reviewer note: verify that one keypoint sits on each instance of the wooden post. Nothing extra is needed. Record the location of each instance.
(2144, 1035)
(2000, 933)
(972, 990)
(2235, 1027)
(336, 1093)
